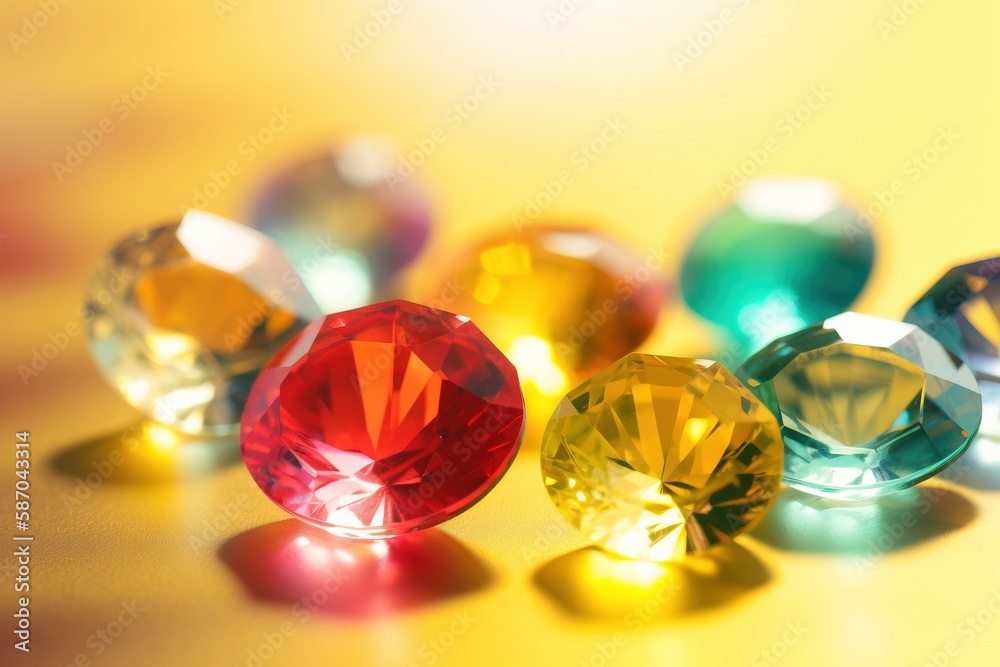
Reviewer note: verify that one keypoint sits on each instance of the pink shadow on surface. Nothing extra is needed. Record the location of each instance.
(290, 562)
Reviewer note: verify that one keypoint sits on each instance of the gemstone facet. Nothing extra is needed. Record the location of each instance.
(866, 405)
(346, 220)
(789, 252)
(383, 420)
(962, 311)
(562, 303)
(181, 317)
(657, 456)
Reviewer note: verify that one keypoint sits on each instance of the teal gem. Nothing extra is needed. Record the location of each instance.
(962, 311)
(789, 252)
(866, 406)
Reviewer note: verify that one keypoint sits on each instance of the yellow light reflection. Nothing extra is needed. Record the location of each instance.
(597, 584)
(160, 436)
(694, 428)
(536, 365)
(167, 345)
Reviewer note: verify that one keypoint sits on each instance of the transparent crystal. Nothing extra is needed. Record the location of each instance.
(181, 317)
(866, 405)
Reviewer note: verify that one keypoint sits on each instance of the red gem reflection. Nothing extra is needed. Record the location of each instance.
(383, 420)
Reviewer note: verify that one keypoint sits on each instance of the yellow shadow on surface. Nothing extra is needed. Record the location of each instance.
(596, 584)
(293, 563)
(147, 452)
(802, 522)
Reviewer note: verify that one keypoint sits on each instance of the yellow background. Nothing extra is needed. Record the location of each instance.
(892, 89)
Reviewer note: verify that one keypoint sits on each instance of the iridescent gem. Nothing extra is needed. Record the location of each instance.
(789, 252)
(560, 302)
(655, 456)
(866, 405)
(962, 311)
(182, 317)
(383, 420)
(346, 220)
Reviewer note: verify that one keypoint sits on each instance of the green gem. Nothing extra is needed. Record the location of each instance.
(789, 252)
(866, 405)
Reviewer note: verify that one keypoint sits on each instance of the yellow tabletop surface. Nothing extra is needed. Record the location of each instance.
(147, 553)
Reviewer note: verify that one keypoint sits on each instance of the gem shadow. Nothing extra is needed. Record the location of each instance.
(145, 453)
(803, 522)
(293, 563)
(594, 584)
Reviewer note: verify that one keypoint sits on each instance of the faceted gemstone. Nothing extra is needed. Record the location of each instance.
(182, 317)
(789, 252)
(866, 405)
(383, 420)
(347, 220)
(657, 456)
(562, 303)
(962, 311)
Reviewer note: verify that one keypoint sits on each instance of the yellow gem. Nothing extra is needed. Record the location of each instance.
(656, 456)
(561, 303)
(181, 317)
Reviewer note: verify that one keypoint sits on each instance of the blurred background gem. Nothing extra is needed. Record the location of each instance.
(962, 311)
(181, 329)
(867, 406)
(787, 253)
(561, 303)
(347, 220)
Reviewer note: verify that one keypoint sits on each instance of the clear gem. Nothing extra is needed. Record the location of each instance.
(866, 405)
(181, 318)
(657, 456)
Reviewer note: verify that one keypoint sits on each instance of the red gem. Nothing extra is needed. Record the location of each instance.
(383, 420)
